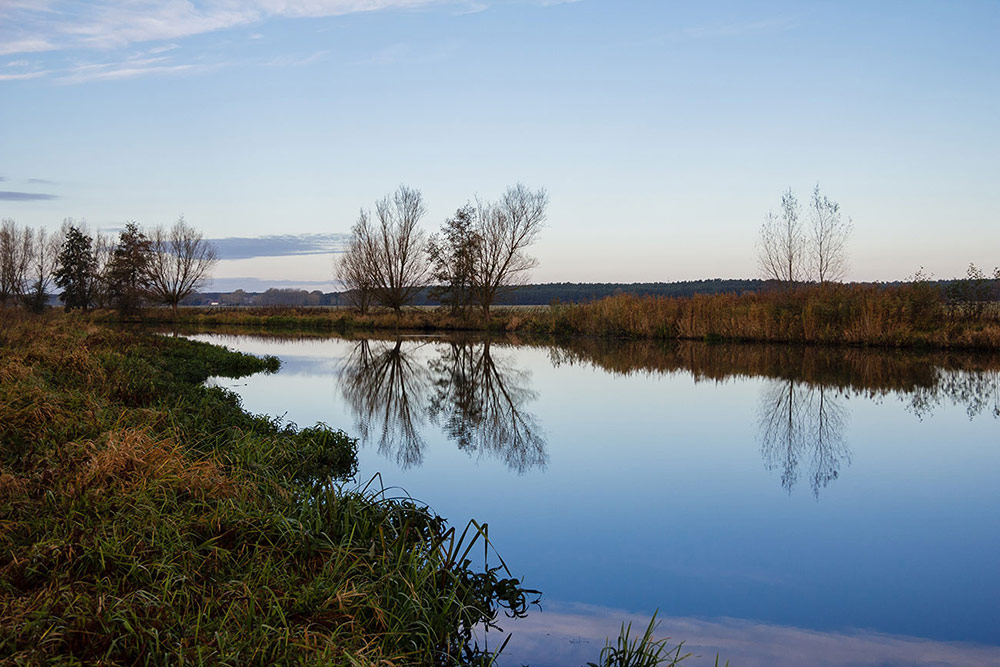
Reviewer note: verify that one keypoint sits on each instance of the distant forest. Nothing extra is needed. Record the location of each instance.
(527, 295)
(544, 294)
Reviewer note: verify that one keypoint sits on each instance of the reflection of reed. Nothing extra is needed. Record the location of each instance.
(480, 403)
(926, 378)
(802, 424)
(802, 421)
(477, 398)
(978, 391)
(384, 386)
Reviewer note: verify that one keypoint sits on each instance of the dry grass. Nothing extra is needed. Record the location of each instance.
(897, 316)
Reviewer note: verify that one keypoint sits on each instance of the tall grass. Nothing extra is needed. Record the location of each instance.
(914, 314)
(145, 518)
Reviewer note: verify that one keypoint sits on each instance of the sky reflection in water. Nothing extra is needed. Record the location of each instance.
(825, 498)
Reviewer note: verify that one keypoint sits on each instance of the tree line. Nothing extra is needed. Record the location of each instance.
(164, 265)
(478, 255)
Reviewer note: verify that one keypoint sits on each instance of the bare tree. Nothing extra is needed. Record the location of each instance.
(42, 268)
(180, 263)
(16, 249)
(782, 244)
(394, 247)
(100, 289)
(828, 234)
(505, 229)
(354, 267)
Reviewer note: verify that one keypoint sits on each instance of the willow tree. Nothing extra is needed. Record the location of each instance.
(180, 263)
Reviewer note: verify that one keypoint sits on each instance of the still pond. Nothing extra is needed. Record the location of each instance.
(777, 505)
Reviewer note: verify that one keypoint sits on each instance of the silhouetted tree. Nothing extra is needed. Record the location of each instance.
(394, 247)
(100, 288)
(505, 229)
(16, 249)
(453, 256)
(128, 270)
(44, 260)
(181, 262)
(355, 267)
(75, 273)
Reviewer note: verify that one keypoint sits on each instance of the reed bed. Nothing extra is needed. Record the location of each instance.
(148, 519)
(909, 315)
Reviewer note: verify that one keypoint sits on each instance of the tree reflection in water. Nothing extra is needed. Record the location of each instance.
(480, 403)
(387, 389)
(478, 398)
(801, 424)
(802, 419)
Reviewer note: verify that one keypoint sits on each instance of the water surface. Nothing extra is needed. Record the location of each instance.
(779, 505)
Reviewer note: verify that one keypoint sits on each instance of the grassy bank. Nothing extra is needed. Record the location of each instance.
(907, 315)
(145, 518)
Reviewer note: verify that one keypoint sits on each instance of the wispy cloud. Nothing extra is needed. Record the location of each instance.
(114, 27)
(279, 246)
(25, 196)
(40, 181)
(49, 25)
(122, 70)
(249, 284)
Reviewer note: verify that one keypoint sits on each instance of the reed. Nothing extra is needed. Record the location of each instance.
(908, 315)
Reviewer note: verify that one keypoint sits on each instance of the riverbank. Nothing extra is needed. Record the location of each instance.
(145, 517)
(910, 315)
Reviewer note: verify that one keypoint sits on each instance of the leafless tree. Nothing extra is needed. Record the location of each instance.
(828, 235)
(393, 247)
(354, 267)
(181, 262)
(505, 229)
(42, 267)
(16, 249)
(104, 249)
(782, 244)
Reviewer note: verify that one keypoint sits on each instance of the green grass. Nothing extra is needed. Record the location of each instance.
(147, 519)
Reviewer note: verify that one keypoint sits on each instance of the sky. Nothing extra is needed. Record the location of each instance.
(662, 131)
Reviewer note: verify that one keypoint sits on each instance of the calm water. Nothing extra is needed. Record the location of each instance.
(777, 505)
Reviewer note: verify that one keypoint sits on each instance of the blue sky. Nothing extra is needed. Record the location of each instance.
(663, 131)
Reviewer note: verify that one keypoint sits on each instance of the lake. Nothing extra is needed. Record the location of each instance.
(777, 505)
